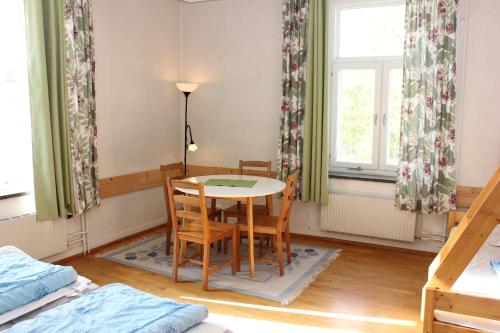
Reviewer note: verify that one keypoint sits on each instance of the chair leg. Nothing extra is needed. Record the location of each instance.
(273, 245)
(169, 237)
(237, 241)
(175, 263)
(261, 245)
(206, 264)
(225, 240)
(288, 245)
(279, 245)
(183, 252)
(236, 253)
(219, 243)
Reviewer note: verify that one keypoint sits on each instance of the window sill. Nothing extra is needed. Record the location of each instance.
(17, 206)
(362, 177)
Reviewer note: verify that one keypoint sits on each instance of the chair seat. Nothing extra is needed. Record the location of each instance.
(241, 210)
(193, 231)
(262, 224)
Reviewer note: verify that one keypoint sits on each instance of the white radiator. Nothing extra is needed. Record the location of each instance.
(367, 216)
(38, 239)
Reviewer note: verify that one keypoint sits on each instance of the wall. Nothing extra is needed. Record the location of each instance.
(233, 47)
(138, 61)
(479, 145)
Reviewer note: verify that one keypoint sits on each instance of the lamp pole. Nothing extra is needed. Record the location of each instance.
(186, 93)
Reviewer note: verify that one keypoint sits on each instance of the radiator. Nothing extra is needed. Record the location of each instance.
(367, 216)
(38, 239)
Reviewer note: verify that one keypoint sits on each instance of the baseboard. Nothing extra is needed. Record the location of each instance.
(94, 245)
(417, 245)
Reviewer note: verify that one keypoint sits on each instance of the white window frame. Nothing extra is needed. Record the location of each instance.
(382, 65)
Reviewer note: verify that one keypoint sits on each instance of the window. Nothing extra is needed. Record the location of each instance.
(16, 171)
(367, 51)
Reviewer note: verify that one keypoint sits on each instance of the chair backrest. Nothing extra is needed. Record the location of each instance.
(287, 200)
(256, 168)
(174, 171)
(187, 202)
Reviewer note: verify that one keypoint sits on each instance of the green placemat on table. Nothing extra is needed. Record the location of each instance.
(230, 182)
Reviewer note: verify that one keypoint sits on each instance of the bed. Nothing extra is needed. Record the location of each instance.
(61, 301)
(477, 279)
(462, 294)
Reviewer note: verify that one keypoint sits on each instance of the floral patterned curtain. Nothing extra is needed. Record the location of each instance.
(294, 52)
(426, 179)
(80, 74)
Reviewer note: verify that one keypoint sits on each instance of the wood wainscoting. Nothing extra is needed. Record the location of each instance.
(138, 181)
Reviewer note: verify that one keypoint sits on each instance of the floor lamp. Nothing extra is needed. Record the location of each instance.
(187, 88)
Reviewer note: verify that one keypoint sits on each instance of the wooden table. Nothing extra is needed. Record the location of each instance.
(265, 187)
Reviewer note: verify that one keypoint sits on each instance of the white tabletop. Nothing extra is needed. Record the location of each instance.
(264, 186)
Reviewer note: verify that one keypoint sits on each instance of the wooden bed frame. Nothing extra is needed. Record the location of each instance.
(474, 228)
(466, 196)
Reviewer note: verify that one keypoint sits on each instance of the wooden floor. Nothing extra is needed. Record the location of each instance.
(367, 289)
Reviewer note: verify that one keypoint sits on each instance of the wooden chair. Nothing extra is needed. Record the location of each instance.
(239, 210)
(275, 225)
(197, 228)
(176, 171)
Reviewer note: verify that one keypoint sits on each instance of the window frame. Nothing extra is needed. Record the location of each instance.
(382, 66)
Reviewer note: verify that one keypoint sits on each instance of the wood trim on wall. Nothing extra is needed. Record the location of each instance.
(138, 181)
(133, 182)
(466, 195)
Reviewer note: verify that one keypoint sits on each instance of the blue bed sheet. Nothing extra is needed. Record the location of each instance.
(116, 308)
(24, 279)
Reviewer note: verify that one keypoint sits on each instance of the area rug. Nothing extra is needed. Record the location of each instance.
(307, 263)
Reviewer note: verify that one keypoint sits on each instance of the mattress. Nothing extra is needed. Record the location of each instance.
(80, 286)
(478, 279)
(116, 308)
(209, 325)
(24, 279)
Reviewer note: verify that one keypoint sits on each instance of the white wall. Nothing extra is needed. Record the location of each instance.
(137, 62)
(234, 46)
(479, 141)
(234, 49)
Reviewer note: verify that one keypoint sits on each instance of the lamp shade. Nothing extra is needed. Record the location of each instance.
(186, 87)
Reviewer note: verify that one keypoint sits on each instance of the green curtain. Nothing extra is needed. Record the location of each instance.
(426, 180)
(293, 88)
(48, 102)
(315, 162)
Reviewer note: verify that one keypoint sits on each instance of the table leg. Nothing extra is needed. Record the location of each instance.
(251, 258)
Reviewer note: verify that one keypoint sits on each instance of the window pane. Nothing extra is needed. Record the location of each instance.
(394, 118)
(372, 31)
(356, 107)
(16, 173)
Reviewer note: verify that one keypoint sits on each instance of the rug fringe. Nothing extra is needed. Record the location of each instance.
(313, 277)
